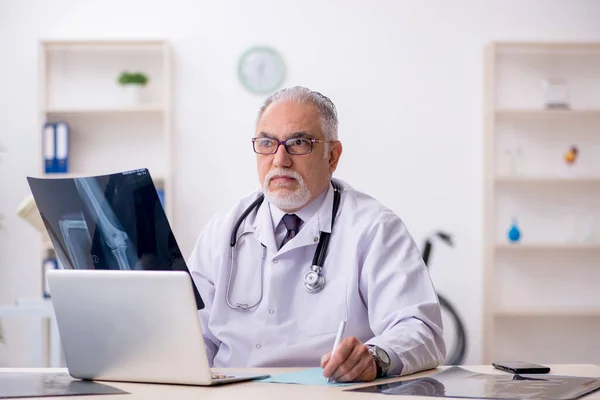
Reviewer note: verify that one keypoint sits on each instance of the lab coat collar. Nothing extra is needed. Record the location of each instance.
(311, 231)
(305, 213)
(261, 225)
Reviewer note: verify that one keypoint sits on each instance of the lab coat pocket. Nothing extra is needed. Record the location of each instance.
(323, 311)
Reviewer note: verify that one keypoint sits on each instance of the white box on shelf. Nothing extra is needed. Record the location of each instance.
(556, 93)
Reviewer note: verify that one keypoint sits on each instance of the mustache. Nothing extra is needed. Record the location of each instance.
(282, 172)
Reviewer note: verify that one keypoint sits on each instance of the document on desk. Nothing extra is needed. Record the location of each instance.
(459, 382)
(35, 384)
(310, 376)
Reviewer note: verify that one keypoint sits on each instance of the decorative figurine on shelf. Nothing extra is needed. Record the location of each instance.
(132, 83)
(582, 229)
(515, 160)
(28, 211)
(571, 155)
(514, 233)
(556, 93)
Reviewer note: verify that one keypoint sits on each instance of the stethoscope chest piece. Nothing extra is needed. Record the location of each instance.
(314, 282)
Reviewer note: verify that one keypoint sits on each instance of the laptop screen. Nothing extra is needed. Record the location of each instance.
(111, 221)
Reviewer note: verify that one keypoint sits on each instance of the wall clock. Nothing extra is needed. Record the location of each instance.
(261, 70)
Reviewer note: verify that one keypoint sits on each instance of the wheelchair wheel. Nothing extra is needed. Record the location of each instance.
(454, 334)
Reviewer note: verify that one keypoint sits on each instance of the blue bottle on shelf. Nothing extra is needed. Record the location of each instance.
(514, 233)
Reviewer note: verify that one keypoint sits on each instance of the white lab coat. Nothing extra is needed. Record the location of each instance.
(375, 280)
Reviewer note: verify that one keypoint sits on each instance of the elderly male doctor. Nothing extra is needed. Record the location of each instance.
(265, 308)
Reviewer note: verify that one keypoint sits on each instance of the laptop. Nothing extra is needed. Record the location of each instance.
(124, 299)
(132, 326)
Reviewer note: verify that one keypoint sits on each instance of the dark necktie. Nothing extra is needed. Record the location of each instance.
(292, 223)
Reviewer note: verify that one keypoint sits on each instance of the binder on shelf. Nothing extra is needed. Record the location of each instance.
(62, 147)
(48, 264)
(56, 147)
(49, 144)
(161, 196)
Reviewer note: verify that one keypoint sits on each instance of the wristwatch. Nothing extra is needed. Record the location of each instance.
(381, 358)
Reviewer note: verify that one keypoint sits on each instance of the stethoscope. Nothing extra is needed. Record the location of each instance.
(314, 282)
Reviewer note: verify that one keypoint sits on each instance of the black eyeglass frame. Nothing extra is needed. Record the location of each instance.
(286, 144)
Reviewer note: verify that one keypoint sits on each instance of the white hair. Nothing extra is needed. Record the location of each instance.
(302, 95)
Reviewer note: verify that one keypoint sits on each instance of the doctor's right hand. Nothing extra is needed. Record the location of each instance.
(351, 362)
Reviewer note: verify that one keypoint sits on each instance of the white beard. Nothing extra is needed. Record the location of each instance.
(287, 200)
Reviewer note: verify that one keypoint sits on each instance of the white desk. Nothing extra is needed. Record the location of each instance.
(39, 309)
(277, 391)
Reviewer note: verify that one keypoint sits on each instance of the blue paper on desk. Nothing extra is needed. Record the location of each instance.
(310, 376)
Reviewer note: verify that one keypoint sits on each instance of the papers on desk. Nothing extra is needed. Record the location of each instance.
(311, 376)
(459, 382)
(34, 384)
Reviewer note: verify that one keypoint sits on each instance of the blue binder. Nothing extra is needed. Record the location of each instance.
(56, 147)
(161, 196)
(62, 147)
(49, 146)
(48, 264)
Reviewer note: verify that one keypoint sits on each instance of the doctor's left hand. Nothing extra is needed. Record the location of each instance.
(351, 362)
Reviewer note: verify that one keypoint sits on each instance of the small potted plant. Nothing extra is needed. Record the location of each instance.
(132, 84)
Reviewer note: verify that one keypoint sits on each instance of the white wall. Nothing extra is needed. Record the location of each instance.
(406, 77)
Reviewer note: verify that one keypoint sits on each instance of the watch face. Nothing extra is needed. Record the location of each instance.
(261, 70)
(383, 356)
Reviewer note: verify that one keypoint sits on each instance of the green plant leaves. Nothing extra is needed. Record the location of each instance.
(135, 78)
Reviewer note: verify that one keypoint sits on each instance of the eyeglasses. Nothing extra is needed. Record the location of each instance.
(294, 146)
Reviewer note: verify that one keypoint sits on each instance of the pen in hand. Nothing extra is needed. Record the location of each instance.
(338, 339)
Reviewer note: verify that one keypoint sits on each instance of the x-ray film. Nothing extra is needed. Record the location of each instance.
(111, 221)
(457, 382)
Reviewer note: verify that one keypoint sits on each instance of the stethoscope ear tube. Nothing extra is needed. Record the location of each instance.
(319, 256)
(242, 217)
(323, 245)
(243, 306)
(314, 282)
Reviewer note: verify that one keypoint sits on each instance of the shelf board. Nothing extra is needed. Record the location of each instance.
(546, 246)
(95, 45)
(533, 112)
(548, 312)
(150, 108)
(545, 47)
(503, 180)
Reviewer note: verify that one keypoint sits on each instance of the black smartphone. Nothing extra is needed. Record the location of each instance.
(521, 367)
